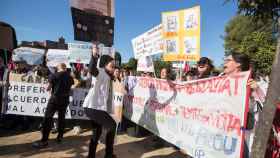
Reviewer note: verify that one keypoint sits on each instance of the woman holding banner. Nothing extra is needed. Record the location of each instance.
(99, 108)
(234, 64)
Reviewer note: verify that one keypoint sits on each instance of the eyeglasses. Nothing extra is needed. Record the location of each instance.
(227, 60)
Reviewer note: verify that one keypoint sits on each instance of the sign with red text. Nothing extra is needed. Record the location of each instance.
(203, 117)
(148, 43)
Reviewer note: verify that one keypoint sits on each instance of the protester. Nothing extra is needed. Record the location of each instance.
(273, 147)
(165, 73)
(2, 82)
(117, 75)
(204, 68)
(234, 64)
(76, 78)
(191, 74)
(60, 85)
(101, 106)
(20, 67)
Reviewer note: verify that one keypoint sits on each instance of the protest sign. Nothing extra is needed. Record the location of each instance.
(91, 27)
(31, 99)
(149, 43)
(203, 117)
(31, 56)
(79, 53)
(107, 51)
(57, 56)
(28, 97)
(145, 64)
(181, 34)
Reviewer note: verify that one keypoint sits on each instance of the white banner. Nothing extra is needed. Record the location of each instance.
(149, 43)
(31, 99)
(202, 117)
(145, 64)
(79, 53)
(57, 56)
(32, 56)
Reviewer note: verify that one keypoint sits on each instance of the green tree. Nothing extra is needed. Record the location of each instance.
(261, 48)
(131, 64)
(239, 27)
(253, 37)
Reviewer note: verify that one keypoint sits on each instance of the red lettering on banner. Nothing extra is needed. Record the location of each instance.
(236, 87)
(222, 121)
(214, 85)
(225, 87)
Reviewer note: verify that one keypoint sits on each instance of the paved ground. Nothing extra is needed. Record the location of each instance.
(19, 145)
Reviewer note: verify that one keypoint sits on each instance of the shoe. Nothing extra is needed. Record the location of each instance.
(40, 145)
(77, 130)
(54, 130)
(58, 140)
(110, 156)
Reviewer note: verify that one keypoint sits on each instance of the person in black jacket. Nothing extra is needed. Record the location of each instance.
(60, 85)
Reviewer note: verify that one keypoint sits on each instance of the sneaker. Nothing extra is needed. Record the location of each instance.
(54, 131)
(77, 130)
(39, 144)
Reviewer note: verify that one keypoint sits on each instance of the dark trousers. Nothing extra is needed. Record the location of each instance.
(97, 124)
(55, 104)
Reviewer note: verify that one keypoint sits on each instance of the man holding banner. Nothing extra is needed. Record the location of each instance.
(60, 85)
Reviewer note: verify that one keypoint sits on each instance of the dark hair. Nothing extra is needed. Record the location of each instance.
(77, 74)
(206, 61)
(168, 72)
(192, 72)
(104, 60)
(242, 59)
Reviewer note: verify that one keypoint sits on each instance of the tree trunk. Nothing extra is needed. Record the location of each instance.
(272, 99)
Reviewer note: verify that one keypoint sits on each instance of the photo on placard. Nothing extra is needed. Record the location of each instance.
(171, 46)
(172, 24)
(191, 20)
(190, 44)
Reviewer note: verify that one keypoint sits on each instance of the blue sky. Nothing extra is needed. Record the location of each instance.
(49, 19)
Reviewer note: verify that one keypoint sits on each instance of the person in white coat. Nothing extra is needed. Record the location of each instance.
(99, 108)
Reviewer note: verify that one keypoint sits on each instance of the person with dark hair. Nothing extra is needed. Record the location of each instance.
(60, 85)
(100, 107)
(234, 64)
(117, 74)
(191, 74)
(204, 67)
(2, 81)
(165, 73)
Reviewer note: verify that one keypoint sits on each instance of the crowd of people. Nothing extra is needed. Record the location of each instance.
(62, 79)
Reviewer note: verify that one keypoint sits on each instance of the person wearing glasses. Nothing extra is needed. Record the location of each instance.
(234, 64)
